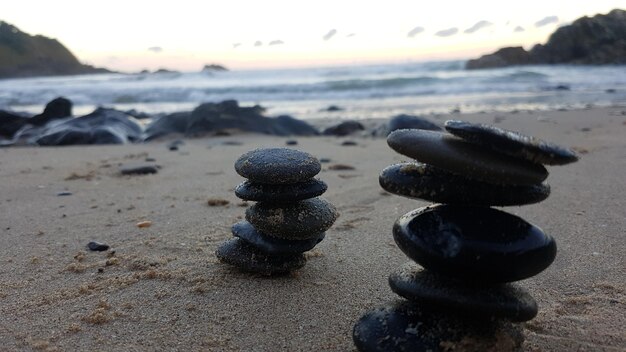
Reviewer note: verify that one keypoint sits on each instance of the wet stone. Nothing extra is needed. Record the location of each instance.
(97, 246)
(277, 166)
(508, 301)
(262, 192)
(139, 169)
(301, 220)
(512, 143)
(474, 243)
(403, 326)
(270, 244)
(246, 257)
(423, 181)
(460, 157)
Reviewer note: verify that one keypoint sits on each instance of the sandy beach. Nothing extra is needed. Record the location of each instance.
(162, 288)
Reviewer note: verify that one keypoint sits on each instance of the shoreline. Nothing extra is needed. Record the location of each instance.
(163, 288)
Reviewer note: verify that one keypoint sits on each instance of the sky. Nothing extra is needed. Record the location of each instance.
(132, 35)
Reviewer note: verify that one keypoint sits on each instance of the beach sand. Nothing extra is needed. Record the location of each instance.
(163, 288)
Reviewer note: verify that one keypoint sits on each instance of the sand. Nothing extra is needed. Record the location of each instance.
(160, 287)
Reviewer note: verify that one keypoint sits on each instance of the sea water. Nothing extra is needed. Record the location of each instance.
(363, 91)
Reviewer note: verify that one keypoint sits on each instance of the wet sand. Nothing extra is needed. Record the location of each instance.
(161, 287)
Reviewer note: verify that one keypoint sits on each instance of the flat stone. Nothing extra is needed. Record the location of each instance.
(423, 181)
(512, 143)
(246, 257)
(464, 158)
(301, 220)
(270, 244)
(277, 166)
(428, 289)
(139, 169)
(404, 326)
(291, 192)
(474, 243)
(97, 246)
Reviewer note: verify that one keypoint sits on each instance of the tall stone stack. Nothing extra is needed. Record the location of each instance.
(459, 291)
(288, 219)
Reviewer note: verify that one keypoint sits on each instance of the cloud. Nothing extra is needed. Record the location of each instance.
(519, 29)
(350, 35)
(478, 26)
(447, 32)
(155, 49)
(236, 45)
(546, 21)
(258, 43)
(276, 42)
(415, 31)
(331, 33)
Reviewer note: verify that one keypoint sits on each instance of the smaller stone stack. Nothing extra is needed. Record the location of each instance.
(289, 218)
(461, 297)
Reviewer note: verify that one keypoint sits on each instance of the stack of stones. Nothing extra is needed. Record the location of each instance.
(460, 296)
(289, 218)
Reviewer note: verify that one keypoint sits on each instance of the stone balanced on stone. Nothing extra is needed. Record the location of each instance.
(289, 218)
(460, 296)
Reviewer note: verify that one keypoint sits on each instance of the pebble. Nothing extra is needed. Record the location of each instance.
(417, 180)
(272, 245)
(404, 326)
(262, 192)
(349, 143)
(476, 244)
(144, 224)
(277, 166)
(460, 157)
(64, 194)
(512, 143)
(97, 246)
(291, 142)
(507, 301)
(301, 220)
(139, 169)
(246, 257)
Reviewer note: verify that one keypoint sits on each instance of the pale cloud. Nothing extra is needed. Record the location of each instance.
(155, 49)
(519, 29)
(478, 26)
(258, 43)
(350, 35)
(331, 33)
(276, 42)
(447, 32)
(413, 32)
(236, 45)
(546, 21)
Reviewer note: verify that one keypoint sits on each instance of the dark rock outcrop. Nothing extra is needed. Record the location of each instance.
(103, 126)
(594, 40)
(343, 129)
(227, 116)
(11, 122)
(214, 68)
(23, 55)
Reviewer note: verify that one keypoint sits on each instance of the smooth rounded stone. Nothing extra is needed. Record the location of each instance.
(301, 220)
(464, 158)
(423, 181)
(512, 143)
(139, 169)
(407, 327)
(474, 243)
(246, 257)
(97, 246)
(277, 166)
(291, 192)
(272, 245)
(426, 288)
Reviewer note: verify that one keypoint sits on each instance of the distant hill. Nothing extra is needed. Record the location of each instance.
(596, 40)
(24, 55)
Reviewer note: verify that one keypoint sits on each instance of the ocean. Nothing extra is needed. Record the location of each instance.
(365, 91)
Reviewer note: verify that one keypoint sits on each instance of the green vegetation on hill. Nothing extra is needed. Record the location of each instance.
(23, 55)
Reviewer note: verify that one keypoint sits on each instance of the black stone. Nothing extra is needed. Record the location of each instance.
(428, 289)
(291, 142)
(97, 246)
(139, 169)
(474, 243)
(277, 166)
(405, 327)
(423, 181)
(464, 158)
(270, 244)
(291, 192)
(512, 143)
(349, 143)
(301, 220)
(246, 257)
(344, 128)
(64, 193)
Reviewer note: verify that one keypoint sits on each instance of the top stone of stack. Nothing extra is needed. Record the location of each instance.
(277, 166)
